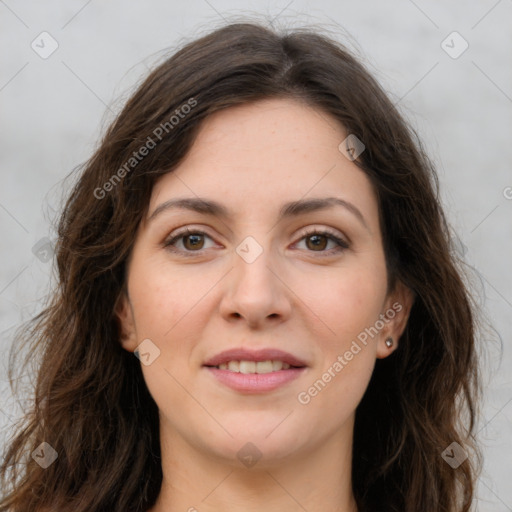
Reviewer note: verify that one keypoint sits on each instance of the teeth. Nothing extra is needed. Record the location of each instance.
(264, 367)
(277, 365)
(254, 367)
(234, 366)
(247, 367)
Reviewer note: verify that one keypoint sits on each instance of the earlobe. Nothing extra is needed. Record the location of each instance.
(400, 303)
(126, 326)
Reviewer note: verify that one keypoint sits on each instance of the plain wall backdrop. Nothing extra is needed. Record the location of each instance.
(67, 67)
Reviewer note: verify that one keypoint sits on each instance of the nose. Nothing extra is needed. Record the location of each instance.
(256, 292)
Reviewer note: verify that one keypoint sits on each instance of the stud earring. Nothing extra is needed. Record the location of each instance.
(389, 342)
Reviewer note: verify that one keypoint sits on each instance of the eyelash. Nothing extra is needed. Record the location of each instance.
(342, 244)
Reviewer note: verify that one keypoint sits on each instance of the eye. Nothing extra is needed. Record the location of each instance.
(317, 240)
(193, 242)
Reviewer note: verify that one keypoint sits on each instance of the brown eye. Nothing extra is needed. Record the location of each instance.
(193, 241)
(317, 242)
(187, 242)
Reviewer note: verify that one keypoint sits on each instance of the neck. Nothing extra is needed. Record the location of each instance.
(195, 481)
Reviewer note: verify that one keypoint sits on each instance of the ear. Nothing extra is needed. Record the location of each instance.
(395, 316)
(123, 312)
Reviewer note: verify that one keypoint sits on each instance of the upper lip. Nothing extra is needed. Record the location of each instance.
(243, 354)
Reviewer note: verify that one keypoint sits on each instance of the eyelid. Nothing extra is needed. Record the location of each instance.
(180, 233)
(312, 230)
(343, 243)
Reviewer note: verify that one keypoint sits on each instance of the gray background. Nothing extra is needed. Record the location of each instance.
(54, 109)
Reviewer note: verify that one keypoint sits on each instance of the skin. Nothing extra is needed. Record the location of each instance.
(303, 298)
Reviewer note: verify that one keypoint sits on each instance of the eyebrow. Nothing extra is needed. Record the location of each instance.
(288, 210)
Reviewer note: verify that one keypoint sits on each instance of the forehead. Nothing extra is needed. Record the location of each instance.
(256, 156)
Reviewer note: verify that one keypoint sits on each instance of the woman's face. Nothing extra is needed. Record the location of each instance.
(264, 273)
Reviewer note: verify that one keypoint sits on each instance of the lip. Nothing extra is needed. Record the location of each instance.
(243, 354)
(255, 382)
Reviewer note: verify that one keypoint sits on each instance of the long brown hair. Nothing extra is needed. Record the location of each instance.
(91, 404)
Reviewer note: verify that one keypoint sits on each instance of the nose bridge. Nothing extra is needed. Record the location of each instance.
(254, 290)
(253, 261)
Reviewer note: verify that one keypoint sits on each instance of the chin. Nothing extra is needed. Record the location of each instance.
(265, 447)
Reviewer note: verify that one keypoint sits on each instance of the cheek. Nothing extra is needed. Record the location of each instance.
(344, 302)
(164, 298)
(171, 308)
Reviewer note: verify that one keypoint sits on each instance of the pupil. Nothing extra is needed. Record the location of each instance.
(194, 240)
(317, 240)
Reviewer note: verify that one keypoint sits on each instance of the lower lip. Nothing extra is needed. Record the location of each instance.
(255, 382)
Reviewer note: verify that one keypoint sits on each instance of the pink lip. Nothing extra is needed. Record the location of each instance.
(267, 354)
(255, 382)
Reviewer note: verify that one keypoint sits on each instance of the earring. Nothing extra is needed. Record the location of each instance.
(389, 342)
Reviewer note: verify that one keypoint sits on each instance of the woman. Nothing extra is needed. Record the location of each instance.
(257, 306)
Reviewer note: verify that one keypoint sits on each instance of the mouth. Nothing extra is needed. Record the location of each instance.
(249, 371)
(250, 367)
(266, 360)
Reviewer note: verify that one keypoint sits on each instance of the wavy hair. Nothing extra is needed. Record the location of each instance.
(90, 401)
